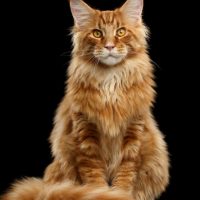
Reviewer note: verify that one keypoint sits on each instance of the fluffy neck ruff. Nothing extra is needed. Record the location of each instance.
(111, 97)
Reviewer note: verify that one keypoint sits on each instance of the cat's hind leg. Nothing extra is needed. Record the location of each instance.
(153, 175)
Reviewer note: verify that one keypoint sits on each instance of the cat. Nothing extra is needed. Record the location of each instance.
(105, 141)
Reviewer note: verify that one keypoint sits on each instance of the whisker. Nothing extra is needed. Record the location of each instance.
(156, 64)
(82, 55)
(66, 53)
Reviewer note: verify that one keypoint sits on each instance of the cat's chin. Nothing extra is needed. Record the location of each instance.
(111, 60)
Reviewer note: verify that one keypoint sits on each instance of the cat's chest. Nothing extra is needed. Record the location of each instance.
(114, 111)
(110, 93)
(108, 106)
(110, 110)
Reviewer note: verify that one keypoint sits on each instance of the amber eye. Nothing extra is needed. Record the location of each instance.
(97, 33)
(121, 32)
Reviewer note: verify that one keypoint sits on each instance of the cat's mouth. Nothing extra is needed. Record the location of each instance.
(112, 56)
(111, 59)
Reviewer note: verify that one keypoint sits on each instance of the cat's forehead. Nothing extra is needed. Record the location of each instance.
(109, 18)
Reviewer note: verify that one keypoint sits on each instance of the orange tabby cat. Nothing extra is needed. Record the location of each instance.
(105, 137)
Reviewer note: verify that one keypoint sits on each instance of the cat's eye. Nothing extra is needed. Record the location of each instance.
(97, 33)
(121, 32)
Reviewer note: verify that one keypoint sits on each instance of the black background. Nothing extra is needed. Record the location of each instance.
(36, 55)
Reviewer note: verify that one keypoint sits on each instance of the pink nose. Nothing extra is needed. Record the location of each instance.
(110, 47)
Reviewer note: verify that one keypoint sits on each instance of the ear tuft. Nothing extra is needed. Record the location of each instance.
(81, 12)
(132, 9)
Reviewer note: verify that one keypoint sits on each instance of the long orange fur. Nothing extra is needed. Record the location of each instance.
(105, 141)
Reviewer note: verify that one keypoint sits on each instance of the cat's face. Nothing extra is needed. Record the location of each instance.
(108, 37)
(110, 48)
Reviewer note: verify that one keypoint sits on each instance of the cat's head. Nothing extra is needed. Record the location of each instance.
(108, 37)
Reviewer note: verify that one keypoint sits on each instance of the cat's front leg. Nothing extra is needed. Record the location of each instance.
(127, 171)
(90, 165)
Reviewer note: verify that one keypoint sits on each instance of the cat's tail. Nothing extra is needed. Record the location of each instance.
(27, 189)
(35, 189)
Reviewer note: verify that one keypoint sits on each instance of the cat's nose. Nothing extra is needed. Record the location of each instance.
(110, 46)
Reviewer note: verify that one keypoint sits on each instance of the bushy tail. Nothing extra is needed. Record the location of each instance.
(35, 189)
(27, 189)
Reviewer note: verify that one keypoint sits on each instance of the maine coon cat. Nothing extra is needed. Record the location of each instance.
(105, 141)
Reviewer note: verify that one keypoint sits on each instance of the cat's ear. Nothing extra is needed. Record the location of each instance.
(81, 12)
(132, 10)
